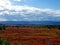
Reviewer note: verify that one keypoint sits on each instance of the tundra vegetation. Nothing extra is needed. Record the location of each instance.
(28, 35)
(3, 42)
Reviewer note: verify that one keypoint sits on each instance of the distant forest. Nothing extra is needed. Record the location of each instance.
(2, 27)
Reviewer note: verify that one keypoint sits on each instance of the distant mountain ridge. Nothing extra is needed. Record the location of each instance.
(30, 22)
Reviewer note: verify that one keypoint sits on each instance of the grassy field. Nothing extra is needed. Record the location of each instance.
(38, 35)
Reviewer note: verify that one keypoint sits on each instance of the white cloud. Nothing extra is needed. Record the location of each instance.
(57, 13)
(17, 0)
(3, 19)
(5, 3)
(26, 12)
(14, 20)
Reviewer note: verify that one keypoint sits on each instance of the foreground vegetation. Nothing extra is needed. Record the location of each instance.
(4, 42)
(30, 35)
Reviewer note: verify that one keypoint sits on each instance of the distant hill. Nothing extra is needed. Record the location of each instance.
(30, 22)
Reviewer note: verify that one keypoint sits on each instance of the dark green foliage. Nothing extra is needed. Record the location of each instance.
(6, 43)
(1, 41)
(52, 26)
(2, 27)
(59, 27)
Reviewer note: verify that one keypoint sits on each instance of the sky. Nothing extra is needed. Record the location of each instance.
(29, 10)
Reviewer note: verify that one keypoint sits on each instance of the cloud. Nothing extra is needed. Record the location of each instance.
(26, 13)
(5, 3)
(3, 19)
(17, 0)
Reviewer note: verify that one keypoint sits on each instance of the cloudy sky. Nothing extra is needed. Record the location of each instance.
(29, 10)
